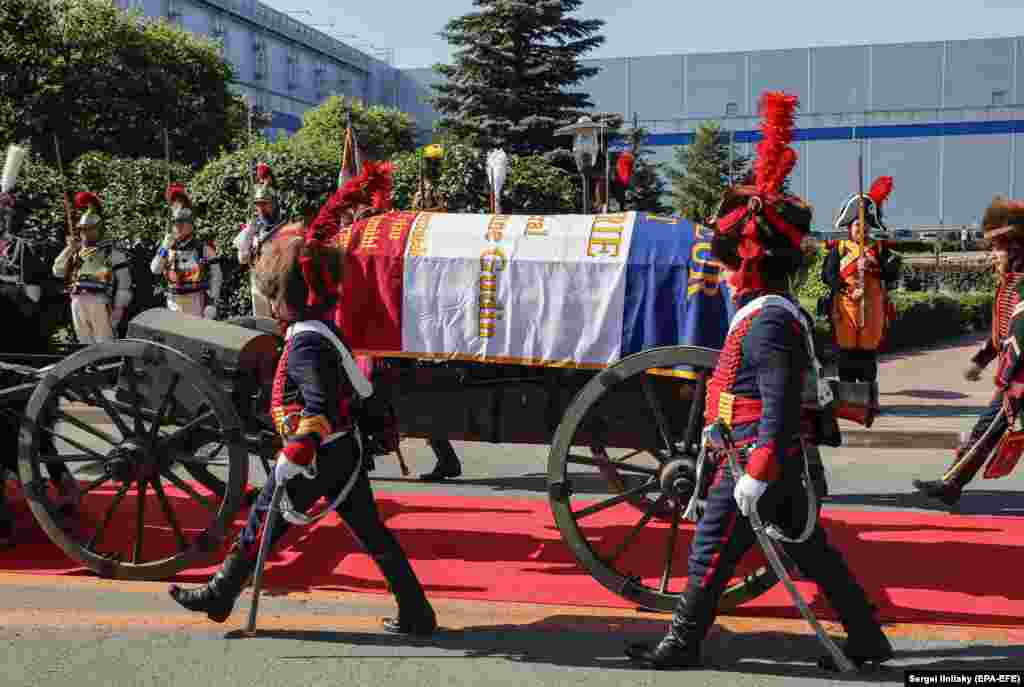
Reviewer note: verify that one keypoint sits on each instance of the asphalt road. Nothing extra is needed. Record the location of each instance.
(84, 631)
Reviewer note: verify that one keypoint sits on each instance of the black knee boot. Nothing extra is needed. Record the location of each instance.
(6, 516)
(415, 614)
(680, 647)
(948, 491)
(865, 641)
(217, 598)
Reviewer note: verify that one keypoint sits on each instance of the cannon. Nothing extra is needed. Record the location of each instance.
(179, 398)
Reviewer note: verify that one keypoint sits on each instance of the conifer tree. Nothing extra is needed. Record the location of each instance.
(515, 66)
(701, 173)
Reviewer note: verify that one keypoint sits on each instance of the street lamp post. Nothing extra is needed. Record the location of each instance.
(730, 111)
(585, 150)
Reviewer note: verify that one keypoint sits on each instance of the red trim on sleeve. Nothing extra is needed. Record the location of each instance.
(301, 451)
(763, 465)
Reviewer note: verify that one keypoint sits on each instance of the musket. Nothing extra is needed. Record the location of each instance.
(67, 212)
(64, 186)
(863, 237)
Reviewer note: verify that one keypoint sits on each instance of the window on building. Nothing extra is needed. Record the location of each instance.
(999, 97)
(174, 12)
(260, 62)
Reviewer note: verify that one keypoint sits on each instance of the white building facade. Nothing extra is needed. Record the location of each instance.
(282, 65)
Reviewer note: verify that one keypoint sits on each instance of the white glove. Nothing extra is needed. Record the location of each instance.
(747, 493)
(285, 469)
(973, 373)
(210, 312)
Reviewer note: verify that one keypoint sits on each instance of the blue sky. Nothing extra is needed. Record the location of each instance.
(409, 28)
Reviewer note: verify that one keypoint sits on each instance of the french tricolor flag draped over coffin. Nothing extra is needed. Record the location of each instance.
(552, 290)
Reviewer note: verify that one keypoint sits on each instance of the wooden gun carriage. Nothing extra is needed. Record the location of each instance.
(623, 414)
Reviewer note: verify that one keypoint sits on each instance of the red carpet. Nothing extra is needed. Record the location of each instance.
(918, 567)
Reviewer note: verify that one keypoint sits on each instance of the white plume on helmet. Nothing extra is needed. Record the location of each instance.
(497, 172)
(12, 166)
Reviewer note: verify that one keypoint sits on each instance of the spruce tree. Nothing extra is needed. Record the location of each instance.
(515, 65)
(702, 172)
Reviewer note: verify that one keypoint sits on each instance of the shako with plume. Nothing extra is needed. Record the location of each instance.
(758, 223)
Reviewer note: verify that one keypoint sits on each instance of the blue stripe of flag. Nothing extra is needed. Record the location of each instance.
(674, 293)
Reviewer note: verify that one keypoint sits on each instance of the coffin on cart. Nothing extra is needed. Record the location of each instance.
(488, 325)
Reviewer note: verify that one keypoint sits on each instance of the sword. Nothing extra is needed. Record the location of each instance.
(974, 449)
(261, 559)
(771, 553)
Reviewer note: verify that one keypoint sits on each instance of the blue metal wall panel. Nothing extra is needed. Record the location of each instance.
(906, 76)
(713, 81)
(977, 69)
(839, 80)
(779, 70)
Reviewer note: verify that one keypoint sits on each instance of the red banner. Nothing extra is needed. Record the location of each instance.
(370, 313)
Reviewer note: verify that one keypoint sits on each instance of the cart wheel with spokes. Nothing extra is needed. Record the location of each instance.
(633, 432)
(127, 416)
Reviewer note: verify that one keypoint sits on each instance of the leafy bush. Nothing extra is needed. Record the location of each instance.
(301, 178)
(955, 276)
(382, 132)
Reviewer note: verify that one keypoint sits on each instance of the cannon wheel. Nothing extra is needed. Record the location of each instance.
(650, 488)
(156, 408)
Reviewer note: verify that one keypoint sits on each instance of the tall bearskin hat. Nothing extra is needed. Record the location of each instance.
(755, 221)
(849, 212)
(181, 204)
(264, 191)
(92, 209)
(1004, 219)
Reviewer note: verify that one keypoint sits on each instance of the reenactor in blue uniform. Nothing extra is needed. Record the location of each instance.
(757, 391)
(1003, 225)
(300, 278)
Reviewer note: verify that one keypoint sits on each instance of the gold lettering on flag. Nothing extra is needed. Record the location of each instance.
(705, 272)
(535, 226)
(492, 261)
(418, 237)
(399, 223)
(606, 235)
(371, 233)
(496, 227)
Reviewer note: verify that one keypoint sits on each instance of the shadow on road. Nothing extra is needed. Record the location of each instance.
(973, 502)
(598, 642)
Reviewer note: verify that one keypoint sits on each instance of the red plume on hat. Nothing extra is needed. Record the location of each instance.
(624, 167)
(880, 190)
(775, 159)
(263, 174)
(756, 218)
(371, 188)
(177, 193)
(86, 199)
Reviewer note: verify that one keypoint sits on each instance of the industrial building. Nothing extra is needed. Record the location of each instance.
(942, 118)
(285, 66)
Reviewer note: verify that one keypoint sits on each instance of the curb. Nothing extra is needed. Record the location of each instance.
(865, 438)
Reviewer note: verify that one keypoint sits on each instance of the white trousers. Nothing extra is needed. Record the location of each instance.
(91, 316)
(188, 303)
(260, 305)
